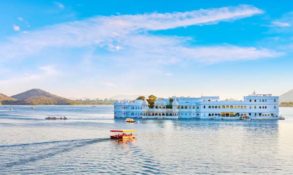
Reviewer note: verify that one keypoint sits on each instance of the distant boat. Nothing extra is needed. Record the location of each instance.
(130, 120)
(56, 117)
(244, 117)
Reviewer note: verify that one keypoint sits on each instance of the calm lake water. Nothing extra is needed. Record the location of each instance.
(31, 145)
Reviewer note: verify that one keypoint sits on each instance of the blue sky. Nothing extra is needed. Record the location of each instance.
(102, 49)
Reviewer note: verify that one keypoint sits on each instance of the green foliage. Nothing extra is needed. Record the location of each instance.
(151, 101)
(169, 106)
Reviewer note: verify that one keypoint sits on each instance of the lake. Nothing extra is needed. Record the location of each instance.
(81, 145)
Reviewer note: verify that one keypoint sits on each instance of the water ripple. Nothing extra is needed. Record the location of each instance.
(69, 146)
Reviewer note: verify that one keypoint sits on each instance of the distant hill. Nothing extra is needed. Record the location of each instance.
(4, 98)
(41, 97)
(287, 97)
(38, 97)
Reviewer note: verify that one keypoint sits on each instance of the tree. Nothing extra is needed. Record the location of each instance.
(151, 101)
(169, 106)
(140, 98)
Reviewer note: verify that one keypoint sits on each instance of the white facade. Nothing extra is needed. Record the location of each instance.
(255, 106)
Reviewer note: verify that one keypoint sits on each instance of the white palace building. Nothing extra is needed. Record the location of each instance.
(255, 106)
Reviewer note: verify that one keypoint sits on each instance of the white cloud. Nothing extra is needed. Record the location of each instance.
(136, 55)
(158, 21)
(48, 70)
(108, 84)
(120, 54)
(43, 73)
(20, 19)
(115, 32)
(215, 54)
(281, 24)
(16, 28)
(59, 5)
(166, 50)
(168, 74)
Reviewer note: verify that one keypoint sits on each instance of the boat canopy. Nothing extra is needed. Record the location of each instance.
(123, 130)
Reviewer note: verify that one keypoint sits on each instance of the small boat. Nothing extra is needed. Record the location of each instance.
(244, 117)
(130, 120)
(124, 134)
(56, 117)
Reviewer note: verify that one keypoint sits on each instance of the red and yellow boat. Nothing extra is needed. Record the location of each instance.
(123, 134)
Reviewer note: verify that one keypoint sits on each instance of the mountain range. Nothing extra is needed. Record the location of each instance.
(41, 97)
(35, 97)
(287, 97)
(5, 98)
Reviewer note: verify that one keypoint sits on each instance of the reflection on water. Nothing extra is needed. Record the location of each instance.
(31, 145)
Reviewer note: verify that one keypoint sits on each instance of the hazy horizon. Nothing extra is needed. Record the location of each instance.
(134, 96)
(86, 49)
